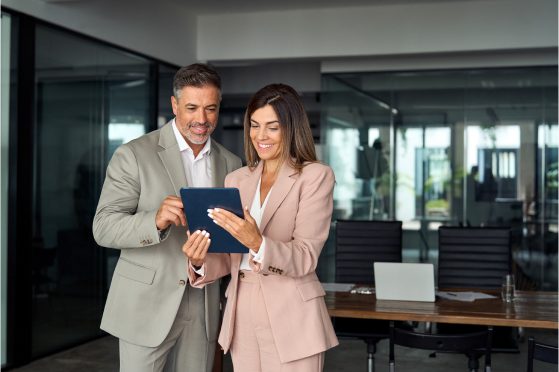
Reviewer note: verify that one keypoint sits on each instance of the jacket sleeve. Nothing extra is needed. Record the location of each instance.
(116, 223)
(312, 226)
(217, 265)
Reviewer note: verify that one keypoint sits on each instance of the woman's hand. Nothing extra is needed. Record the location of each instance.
(196, 247)
(245, 231)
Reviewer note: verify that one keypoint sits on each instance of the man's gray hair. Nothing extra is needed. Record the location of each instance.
(196, 75)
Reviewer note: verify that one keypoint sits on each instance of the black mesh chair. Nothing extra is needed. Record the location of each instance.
(359, 244)
(476, 258)
(541, 352)
(463, 343)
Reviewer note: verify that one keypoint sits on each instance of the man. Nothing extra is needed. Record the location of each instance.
(163, 324)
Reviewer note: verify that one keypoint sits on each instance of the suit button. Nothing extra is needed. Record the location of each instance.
(182, 282)
(281, 272)
(242, 275)
(271, 269)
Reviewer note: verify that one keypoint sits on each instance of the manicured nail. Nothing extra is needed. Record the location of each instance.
(216, 222)
(209, 240)
(197, 231)
(209, 211)
(207, 234)
(203, 232)
(217, 210)
(210, 215)
(246, 207)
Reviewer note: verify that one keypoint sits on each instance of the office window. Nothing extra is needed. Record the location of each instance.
(90, 99)
(5, 25)
(467, 147)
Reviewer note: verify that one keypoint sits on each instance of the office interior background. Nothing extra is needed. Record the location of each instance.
(429, 112)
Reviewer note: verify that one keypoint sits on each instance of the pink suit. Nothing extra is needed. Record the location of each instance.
(295, 226)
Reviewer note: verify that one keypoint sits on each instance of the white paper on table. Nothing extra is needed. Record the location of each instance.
(337, 287)
(456, 296)
(482, 296)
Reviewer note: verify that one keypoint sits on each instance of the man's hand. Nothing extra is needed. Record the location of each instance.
(171, 211)
(196, 247)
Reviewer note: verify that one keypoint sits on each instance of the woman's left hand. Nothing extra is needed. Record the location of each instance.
(245, 231)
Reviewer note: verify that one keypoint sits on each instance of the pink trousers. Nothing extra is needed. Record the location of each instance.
(253, 348)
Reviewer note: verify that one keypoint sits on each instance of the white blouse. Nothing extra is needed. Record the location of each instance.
(256, 212)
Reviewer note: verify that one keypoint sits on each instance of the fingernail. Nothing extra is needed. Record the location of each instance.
(209, 210)
(204, 232)
(246, 207)
(210, 215)
(209, 240)
(216, 222)
(197, 231)
(217, 210)
(207, 234)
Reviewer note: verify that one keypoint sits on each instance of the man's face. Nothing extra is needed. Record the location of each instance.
(196, 113)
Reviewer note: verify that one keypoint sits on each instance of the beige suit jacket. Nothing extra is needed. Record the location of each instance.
(150, 277)
(295, 226)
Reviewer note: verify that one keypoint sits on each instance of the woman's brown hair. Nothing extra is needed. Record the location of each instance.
(297, 142)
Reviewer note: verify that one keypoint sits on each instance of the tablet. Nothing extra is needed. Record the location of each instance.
(197, 200)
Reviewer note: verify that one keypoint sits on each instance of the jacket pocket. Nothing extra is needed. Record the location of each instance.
(135, 271)
(311, 290)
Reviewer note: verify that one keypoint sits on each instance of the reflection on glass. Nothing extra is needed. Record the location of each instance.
(469, 148)
(423, 173)
(91, 99)
(492, 161)
(121, 133)
(4, 135)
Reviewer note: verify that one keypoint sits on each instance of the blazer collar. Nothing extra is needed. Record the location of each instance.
(172, 160)
(218, 165)
(283, 184)
(170, 155)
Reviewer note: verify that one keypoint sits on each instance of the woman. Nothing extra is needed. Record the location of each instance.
(276, 318)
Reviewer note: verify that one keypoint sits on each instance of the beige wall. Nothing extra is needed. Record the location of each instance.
(161, 29)
(454, 26)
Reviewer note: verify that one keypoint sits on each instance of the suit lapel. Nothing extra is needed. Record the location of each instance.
(218, 165)
(282, 186)
(247, 187)
(171, 157)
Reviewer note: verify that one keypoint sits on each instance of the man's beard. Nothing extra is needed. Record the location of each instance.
(193, 137)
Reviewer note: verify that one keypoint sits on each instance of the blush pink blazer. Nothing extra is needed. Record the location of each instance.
(295, 225)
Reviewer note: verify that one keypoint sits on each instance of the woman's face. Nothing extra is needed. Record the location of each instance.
(265, 133)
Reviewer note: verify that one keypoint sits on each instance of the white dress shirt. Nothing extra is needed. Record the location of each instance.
(256, 211)
(198, 170)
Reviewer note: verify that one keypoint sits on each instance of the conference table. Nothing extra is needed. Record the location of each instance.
(530, 309)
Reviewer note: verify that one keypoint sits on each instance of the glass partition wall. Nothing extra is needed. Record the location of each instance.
(90, 99)
(5, 28)
(459, 148)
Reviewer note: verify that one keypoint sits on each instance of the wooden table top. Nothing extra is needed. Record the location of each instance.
(530, 309)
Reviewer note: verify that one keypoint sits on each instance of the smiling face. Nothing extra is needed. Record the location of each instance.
(265, 133)
(196, 113)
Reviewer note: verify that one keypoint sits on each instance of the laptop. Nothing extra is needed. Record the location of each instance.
(404, 281)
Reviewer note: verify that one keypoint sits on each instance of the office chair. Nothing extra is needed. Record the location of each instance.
(359, 244)
(476, 258)
(542, 352)
(460, 343)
